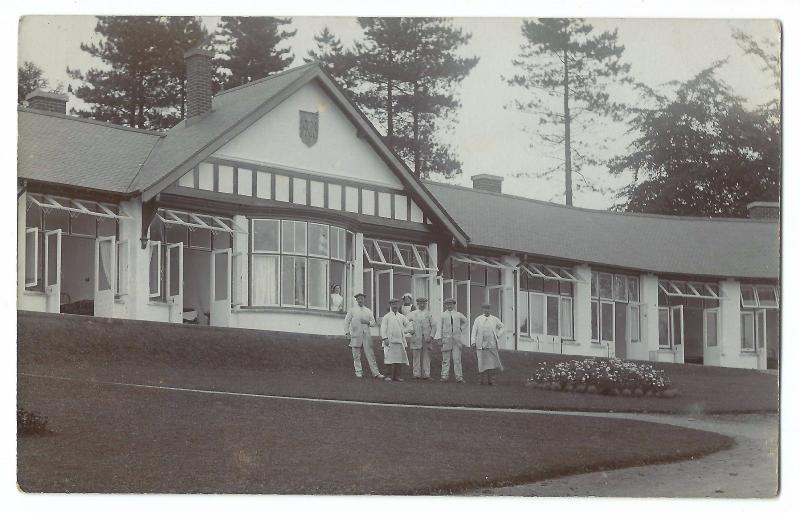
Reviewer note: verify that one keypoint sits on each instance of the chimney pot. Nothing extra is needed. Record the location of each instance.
(764, 210)
(50, 102)
(486, 182)
(198, 81)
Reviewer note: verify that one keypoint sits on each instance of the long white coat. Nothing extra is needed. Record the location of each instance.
(394, 328)
(486, 331)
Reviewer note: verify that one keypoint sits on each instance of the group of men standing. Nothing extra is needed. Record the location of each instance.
(419, 331)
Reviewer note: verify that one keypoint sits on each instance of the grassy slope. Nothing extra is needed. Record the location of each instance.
(302, 365)
(121, 439)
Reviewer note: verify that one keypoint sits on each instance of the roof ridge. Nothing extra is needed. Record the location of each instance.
(267, 78)
(598, 211)
(91, 121)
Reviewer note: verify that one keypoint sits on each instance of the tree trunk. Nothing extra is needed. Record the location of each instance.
(389, 107)
(567, 143)
(415, 116)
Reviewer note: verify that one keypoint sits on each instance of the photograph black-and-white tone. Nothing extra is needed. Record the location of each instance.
(513, 256)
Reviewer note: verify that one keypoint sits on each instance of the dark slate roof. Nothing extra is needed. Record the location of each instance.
(79, 152)
(743, 248)
(229, 108)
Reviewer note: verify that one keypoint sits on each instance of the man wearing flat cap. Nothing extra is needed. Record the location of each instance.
(394, 329)
(450, 332)
(356, 325)
(422, 323)
(486, 331)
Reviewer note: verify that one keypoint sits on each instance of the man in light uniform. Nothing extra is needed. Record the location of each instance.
(422, 322)
(356, 325)
(486, 331)
(394, 329)
(450, 332)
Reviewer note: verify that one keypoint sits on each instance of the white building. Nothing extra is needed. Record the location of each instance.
(250, 211)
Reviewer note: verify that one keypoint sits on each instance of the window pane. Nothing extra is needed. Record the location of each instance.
(338, 277)
(334, 196)
(620, 288)
(174, 277)
(294, 237)
(266, 235)
(263, 185)
(300, 237)
(177, 233)
(336, 246)
(595, 321)
(566, 288)
(766, 296)
(225, 179)
(566, 318)
(634, 320)
(299, 191)
(244, 182)
(84, 224)
(351, 199)
(317, 194)
(155, 275)
(33, 216)
(537, 314)
(748, 296)
(607, 321)
(523, 313)
(187, 180)
(318, 283)
(552, 315)
(711, 329)
(551, 286)
(220, 276)
(416, 213)
(633, 289)
(293, 281)
(281, 188)
(206, 176)
(221, 240)
(594, 284)
(747, 331)
(384, 204)
(264, 280)
(400, 207)
(663, 327)
(31, 257)
(368, 202)
(57, 220)
(200, 239)
(604, 285)
(318, 239)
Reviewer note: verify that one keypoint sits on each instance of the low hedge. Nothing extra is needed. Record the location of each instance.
(612, 376)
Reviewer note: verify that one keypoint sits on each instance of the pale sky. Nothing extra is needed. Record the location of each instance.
(487, 137)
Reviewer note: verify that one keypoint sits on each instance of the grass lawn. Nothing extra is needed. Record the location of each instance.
(110, 438)
(310, 366)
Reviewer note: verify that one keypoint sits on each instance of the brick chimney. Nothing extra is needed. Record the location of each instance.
(198, 81)
(50, 102)
(484, 182)
(764, 210)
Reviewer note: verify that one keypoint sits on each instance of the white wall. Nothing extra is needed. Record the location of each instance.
(316, 323)
(338, 152)
(731, 329)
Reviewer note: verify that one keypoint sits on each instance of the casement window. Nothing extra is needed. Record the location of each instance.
(154, 266)
(548, 303)
(122, 268)
(609, 293)
(32, 258)
(759, 296)
(748, 321)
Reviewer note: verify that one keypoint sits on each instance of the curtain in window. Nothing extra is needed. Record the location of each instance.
(317, 283)
(264, 280)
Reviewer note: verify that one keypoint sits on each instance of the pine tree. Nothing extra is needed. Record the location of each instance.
(140, 84)
(332, 56)
(568, 68)
(30, 77)
(248, 49)
(406, 77)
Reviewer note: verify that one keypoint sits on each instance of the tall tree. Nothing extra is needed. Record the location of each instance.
(569, 68)
(139, 84)
(249, 48)
(699, 152)
(331, 54)
(30, 77)
(406, 77)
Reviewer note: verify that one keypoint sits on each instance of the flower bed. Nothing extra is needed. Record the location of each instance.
(603, 376)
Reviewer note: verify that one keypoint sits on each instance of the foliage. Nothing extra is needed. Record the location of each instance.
(141, 81)
(405, 74)
(30, 77)
(248, 49)
(334, 58)
(568, 68)
(602, 375)
(699, 151)
(30, 423)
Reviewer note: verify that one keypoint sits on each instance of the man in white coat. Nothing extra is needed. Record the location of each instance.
(394, 329)
(486, 331)
(422, 322)
(450, 332)
(356, 325)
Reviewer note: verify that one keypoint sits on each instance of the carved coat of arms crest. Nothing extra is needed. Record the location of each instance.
(309, 127)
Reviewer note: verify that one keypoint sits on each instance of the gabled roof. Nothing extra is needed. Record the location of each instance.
(233, 111)
(744, 248)
(68, 150)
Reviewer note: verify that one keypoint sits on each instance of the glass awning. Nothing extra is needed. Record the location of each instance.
(397, 254)
(481, 260)
(689, 289)
(75, 207)
(549, 272)
(198, 221)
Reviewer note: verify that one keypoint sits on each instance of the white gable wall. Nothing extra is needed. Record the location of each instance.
(274, 140)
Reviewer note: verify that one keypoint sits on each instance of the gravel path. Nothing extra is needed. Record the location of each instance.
(749, 469)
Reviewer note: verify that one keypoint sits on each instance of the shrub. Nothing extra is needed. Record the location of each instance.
(604, 376)
(30, 423)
